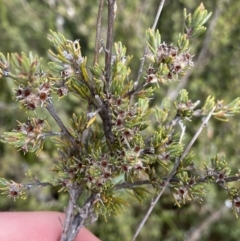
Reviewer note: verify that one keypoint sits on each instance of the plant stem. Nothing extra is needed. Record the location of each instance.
(108, 54)
(51, 109)
(98, 32)
(130, 185)
(105, 115)
(75, 221)
(37, 184)
(70, 226)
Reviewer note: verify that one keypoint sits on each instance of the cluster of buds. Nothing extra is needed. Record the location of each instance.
(181, 194)
(125, 130)
(187, 189)
(62, 90)
(186, 109)
(219, 176)
(114, 101)
(32, 98)
(93, 172)
(100, 171)
(236, 203)
(234, 198)
(219, 169)
(174, 63)
(125, 134)
(15, 190)
(96, 172)
(67, 72)
(32, 131)
(164, 52)
(122, 119)
(130, 161)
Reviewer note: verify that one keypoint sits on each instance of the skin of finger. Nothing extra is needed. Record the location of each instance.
(36, 226)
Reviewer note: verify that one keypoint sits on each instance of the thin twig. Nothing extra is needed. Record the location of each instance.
(224, 180)
(37, 184)
(106, 119)
(98, 32)
(160, 7)
(136, 83)
(131, 185)
(175, 167)
(108, 54)
(51, 109)
(183, 127)
(51, 133)
(196, 135)
(105, 113)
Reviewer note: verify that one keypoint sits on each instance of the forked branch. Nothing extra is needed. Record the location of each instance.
(108, 54)
(173, 171)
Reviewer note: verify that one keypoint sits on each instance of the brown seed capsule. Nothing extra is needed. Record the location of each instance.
(124, 168)
(29, 128)
(42, 96)
(45, 86)
(26, 92)
(104, 163)
(107, 175)
(30, 106)
(19, 92)
(137, 148)
(39, 121)
(59, 93)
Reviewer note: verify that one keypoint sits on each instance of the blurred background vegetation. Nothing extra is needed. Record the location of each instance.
(24, 25)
